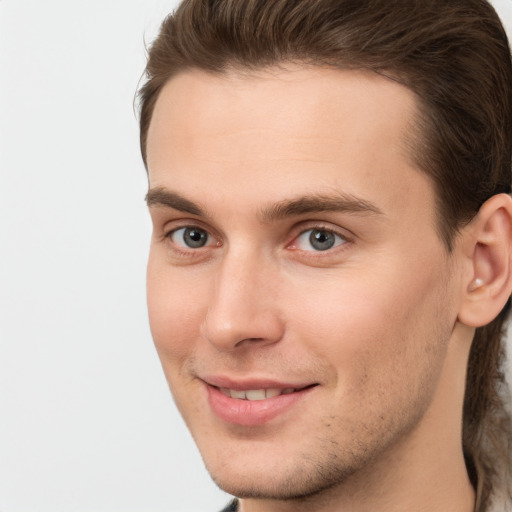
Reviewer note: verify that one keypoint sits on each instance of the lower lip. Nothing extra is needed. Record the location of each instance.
(252, 413)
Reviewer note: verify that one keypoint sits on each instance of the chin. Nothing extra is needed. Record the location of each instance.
(277, 481)
(277, 468)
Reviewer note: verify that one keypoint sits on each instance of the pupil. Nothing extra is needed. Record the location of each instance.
(195, 238)
(321, 240)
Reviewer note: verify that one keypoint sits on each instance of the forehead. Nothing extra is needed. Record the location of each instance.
(282, 131)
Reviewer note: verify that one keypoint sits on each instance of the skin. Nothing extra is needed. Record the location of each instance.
(372, 321)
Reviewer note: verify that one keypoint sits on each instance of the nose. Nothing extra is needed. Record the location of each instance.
(243, 308)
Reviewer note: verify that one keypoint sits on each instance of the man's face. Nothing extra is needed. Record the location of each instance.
(299, 297)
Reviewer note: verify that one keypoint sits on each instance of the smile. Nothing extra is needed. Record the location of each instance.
(256, 394)
(253, 406)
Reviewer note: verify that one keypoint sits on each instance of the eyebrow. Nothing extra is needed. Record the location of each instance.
(316, 203)
(162, 197)
(336, 202)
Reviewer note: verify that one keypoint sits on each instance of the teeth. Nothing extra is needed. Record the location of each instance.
(237, 394)
(269, 393)
(256, 394)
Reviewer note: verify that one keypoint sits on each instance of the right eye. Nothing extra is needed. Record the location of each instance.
(190, 237)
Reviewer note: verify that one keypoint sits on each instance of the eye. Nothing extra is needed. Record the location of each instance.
(318, 240)
(190, 237)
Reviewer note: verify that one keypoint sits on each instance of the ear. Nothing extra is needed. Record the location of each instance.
(487, 243)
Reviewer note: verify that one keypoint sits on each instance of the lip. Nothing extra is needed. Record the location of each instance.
(221, 381)
(252, 413)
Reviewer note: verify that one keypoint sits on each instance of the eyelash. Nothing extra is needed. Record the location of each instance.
(338, 239)
(189, 252)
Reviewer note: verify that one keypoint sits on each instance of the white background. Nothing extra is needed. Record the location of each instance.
(86, 420)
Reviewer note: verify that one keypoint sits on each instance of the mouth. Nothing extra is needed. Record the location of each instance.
(255, 403)
(260, 394)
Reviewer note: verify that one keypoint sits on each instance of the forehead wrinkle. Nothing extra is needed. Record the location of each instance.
(339, 202)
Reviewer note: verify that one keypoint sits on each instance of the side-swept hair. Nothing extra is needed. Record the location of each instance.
(455, 56)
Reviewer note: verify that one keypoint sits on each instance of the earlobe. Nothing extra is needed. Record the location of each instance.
(489, 283)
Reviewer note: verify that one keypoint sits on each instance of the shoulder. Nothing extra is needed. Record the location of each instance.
(233, 506)
(498, 505)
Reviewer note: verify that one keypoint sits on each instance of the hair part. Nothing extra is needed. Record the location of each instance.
(454, 55)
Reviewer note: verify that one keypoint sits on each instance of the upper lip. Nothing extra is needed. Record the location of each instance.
(242, 384)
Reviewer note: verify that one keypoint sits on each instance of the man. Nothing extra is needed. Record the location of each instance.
(330, 267)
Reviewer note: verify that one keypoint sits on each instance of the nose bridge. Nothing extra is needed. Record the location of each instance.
(241, 307)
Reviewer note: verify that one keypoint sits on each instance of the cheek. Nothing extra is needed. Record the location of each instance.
(174, 308)
(374, 326)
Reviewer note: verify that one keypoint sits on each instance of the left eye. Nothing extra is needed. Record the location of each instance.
(190, 237)
(318, 240)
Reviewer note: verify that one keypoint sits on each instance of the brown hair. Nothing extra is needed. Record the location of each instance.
(454, 55)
